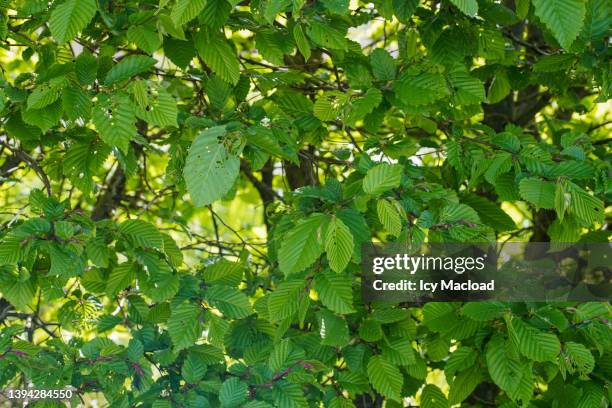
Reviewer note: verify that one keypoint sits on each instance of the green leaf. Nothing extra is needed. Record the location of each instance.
(338, 244)
(335, 292)
(44, 118)
(43, 95)
(340, 7)
(301, 41)
(341, 402)
(171, 249)
(329, 105)
(160, 109)
(564, 18)
(218, 55)
(575, 357)
(193, 369)
(186, 10)
(370, 330)
(399, 351)
(302, 245)
(360, 107)
(70, 17)
(76, 103)
(128, 67)
(389, 217)
(274, 7)
(468, 90)
(145, 37)
(279, 358)
(483, 311)
(284, 301)
(467, 7)
(464, 384)
(381, 178)
(184, 325)
(215, 13)
(439, 316)
(532, 343)
(107, 322)
(224, 272)
(490, 213)
(461, 359)
(385, 377)
(499, 88)
(142, 234)
(233, 393)
(420, 89)
(590, 310)
(332, 329)
(230, 301)
(288, 395)
(592, 396)
(562, 200)
(210, 168)
(86, 68)
(585, 207)
(432, 397)
(597, 20)
(511, 375)
(538, 192)
(18, 291)
(180, 52)
(119, 278)
(383, 64)
(404, 9)
(328, 36)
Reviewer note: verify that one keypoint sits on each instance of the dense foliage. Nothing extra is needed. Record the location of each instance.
(186, 185)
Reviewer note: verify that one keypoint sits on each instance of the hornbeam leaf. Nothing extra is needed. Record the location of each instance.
(532, 343)
(421, 89)
(538, 192)
(184, 325)
(302, 42)
(335, 292)
(114, 119)
(381, 178)
(284, 301)
(302, 245)
(490, 213)
(383, 64)
(160, 110)
(575, 357)
(218, 55)
(142, 233)
(230, 301)
(145, 37)
(211, 168)
(389, 217)
(467, 7)
(128, 67)
(233, 393)
(385, 377)
(483, 311)
(338, 245)
(432, 397)
(186, 10)
(564, 18)
(70, 17)
(585, 207)
(510, 374)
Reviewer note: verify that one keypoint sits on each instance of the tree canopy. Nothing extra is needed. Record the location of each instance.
(186, 186)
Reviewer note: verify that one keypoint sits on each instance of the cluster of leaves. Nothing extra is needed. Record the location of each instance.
(150, 127)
